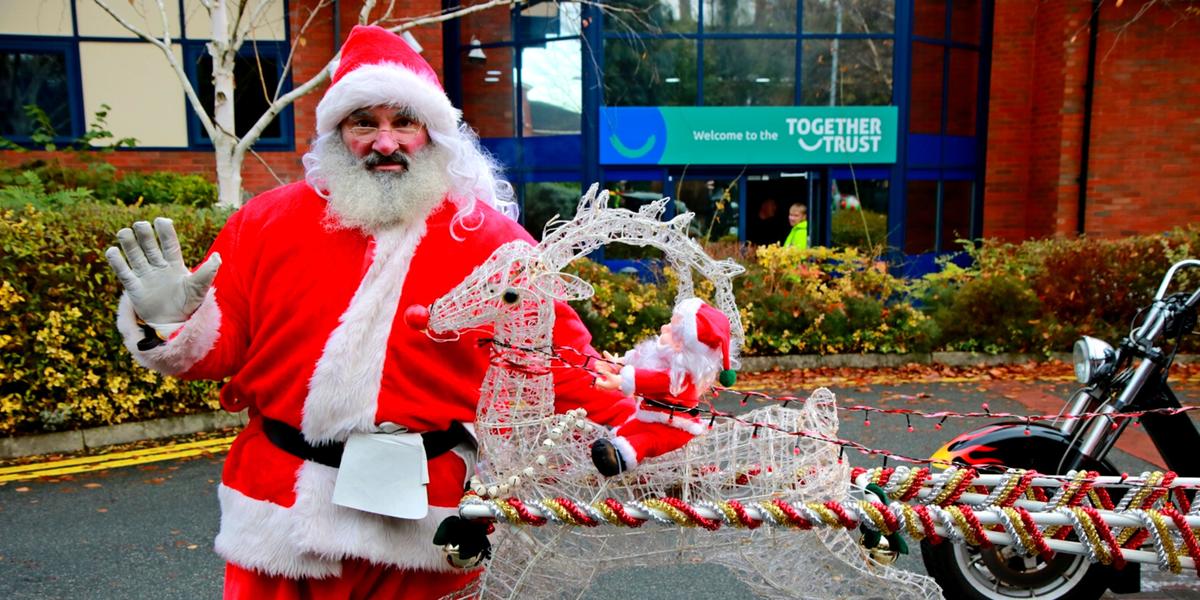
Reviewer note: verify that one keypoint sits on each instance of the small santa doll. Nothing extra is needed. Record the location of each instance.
(668, 373)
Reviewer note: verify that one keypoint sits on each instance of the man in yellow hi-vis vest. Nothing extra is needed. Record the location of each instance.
(798, 219)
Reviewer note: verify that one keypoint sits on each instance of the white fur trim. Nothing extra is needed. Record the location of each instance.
(628, 454)
(311, 538)
(678, 421)
(628, 379)
(187, 346)
(387, 84)
(690, 337)
(343, 393)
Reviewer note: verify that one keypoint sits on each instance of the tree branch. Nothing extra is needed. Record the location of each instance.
(165, 46)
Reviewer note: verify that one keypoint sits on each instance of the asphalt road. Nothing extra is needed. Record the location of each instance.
(146, 531)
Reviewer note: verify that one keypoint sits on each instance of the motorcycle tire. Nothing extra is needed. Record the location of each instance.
(971, 573)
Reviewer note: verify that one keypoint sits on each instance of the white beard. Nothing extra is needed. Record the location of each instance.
(679, 364)
(371, 201)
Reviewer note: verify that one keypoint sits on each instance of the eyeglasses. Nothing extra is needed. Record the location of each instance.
(400, 134)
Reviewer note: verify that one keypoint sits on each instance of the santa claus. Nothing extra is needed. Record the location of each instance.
(669, 373)
(299, 305)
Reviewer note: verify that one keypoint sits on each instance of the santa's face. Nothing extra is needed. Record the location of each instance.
(381, 170)
(384, 137)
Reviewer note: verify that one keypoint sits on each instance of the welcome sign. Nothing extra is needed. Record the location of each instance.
(720, 135)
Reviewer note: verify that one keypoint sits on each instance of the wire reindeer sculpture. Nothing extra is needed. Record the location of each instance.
(527, 450)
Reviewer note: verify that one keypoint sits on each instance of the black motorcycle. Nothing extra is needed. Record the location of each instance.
(1130, 378)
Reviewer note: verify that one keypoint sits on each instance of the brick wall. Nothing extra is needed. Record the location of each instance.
(1145, 128)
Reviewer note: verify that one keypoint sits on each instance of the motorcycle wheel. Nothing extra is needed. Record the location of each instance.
(999, 573)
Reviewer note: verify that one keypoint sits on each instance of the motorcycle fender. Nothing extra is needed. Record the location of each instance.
(1027, 446)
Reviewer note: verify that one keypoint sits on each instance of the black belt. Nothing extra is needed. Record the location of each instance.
(290, 440)
(659, 404)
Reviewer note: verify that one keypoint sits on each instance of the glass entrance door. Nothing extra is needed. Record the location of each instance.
(769, 198)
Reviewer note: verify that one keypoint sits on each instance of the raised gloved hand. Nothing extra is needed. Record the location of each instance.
(164, 293)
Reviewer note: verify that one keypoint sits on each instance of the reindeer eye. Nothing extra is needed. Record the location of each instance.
(511, 296)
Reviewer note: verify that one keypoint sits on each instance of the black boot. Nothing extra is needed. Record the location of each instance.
(465, 542)
(606, 458)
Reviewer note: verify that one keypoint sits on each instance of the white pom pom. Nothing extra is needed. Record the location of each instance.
(503, 489)
(554, 433)
(493, 491)
(528, 471)
(541, 459)
(548, 443)
(479, 489)
(514, 481)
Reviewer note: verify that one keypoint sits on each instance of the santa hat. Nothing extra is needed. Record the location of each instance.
(378, 68)
(703, 327)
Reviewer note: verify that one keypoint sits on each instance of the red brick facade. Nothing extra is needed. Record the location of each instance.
(1145, 133)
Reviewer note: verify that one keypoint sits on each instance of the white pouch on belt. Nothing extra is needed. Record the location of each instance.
(384, 473)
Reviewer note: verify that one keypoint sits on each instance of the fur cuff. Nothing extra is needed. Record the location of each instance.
(628, 379)
(628, 454)
(186, 347)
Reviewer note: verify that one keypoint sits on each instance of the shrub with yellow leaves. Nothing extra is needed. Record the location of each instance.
(62, 363)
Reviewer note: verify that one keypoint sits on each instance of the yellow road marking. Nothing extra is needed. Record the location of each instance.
(114, 460)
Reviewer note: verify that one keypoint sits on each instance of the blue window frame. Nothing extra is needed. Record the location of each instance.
(257, 71)
(45, 73)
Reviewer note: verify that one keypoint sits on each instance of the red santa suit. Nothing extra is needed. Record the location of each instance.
(306, 323)
(664, 420)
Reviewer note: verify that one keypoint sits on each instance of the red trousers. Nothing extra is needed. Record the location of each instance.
(360, 580)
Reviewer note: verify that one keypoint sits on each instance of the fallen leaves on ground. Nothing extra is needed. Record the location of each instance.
(910, 373)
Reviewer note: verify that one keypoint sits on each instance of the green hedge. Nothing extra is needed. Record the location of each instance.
(62, 364)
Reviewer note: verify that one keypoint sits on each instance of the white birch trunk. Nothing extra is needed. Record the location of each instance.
(229, 171)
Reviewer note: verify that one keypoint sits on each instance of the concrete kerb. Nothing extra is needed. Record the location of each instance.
(75, 441)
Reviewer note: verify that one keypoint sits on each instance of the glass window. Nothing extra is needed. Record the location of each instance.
(925, 104)
(749, 72)
(488, 99)
(541, 20)
(849, 16)
(929, 18)
(255, 79)
(551, 87)
(37, 78)
(714, 201)
(632, 195)
(920, 217)
(649, 72)
(962, 92)
(652, 16)
(543, 200)
(965, 21)
(762, 16)
(956, 213)
(860, 213)
(863, 74)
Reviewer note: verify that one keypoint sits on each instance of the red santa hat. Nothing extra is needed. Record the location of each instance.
(703, 327)
(378, 68)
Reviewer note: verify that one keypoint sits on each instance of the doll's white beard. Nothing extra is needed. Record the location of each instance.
(360, 198)
(679, 364)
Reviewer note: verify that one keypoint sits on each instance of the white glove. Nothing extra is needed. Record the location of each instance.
(162, 290)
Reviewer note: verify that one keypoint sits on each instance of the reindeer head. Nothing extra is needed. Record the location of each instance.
(510, 289)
